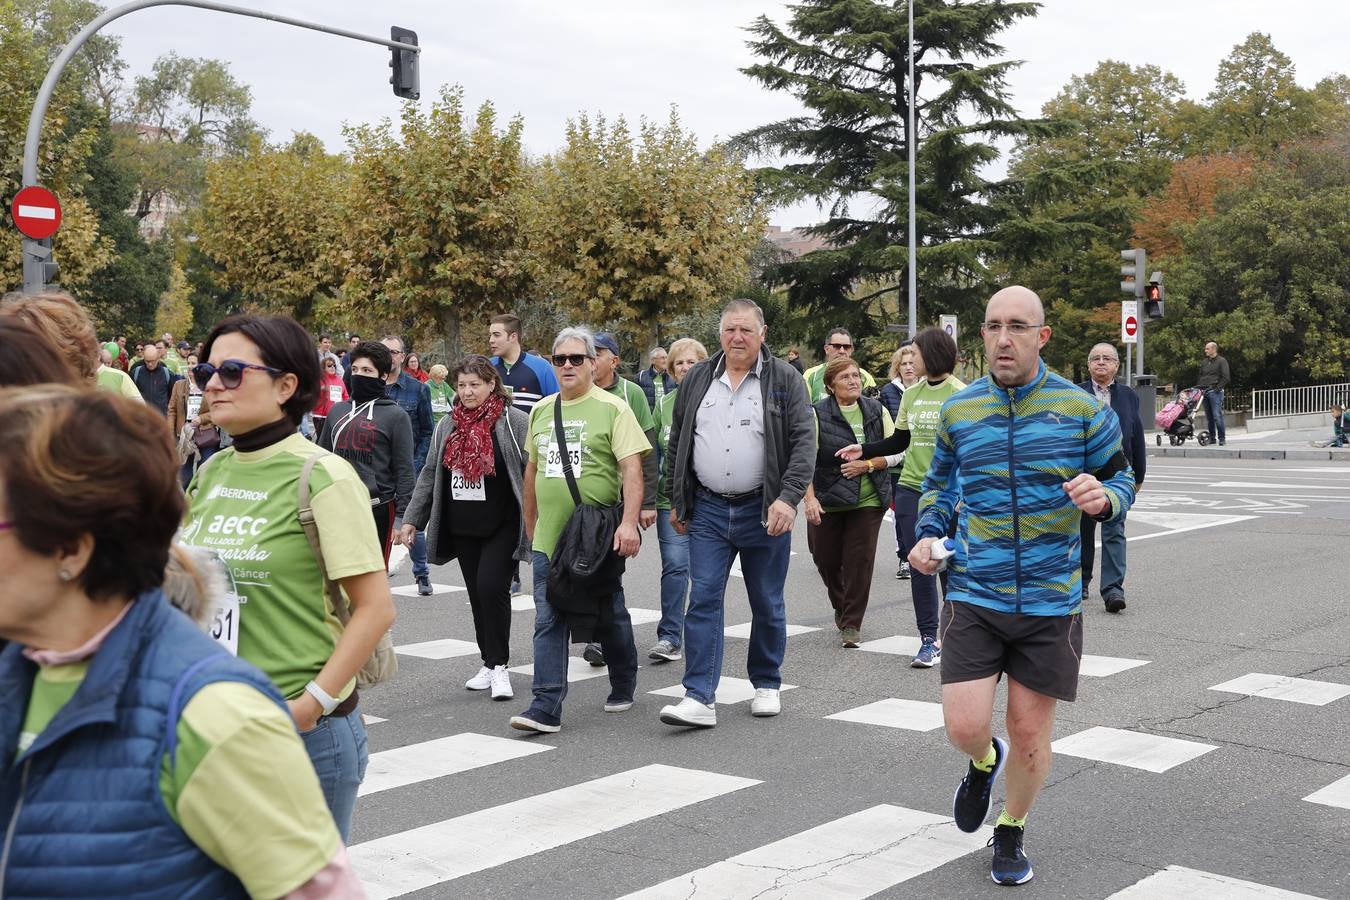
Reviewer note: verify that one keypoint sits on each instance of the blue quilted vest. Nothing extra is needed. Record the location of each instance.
(81, 808)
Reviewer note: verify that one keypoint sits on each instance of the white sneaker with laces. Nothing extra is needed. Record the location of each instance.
(766, 702)
(689, 712)
(501, 683)
(480, 682)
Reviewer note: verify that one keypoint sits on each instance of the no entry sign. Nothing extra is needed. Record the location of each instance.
(37, 212)
(1129, 321)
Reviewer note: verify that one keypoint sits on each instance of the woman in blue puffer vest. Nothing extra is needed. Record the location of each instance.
(140, 759)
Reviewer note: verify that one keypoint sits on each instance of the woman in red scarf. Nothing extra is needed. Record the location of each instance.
(412, 364)
(468, 500)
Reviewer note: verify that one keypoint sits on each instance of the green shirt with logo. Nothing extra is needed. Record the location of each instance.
(919, 411)
(600, 429)
(244, 506)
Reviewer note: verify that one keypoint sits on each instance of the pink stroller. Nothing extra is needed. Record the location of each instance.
(1176, 418)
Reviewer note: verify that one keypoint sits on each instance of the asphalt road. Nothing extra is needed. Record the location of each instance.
(1159, 784)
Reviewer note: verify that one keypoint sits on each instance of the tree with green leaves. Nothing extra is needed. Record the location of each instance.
(273, 223)
(628, 232)
(846, 61)
(434, 225)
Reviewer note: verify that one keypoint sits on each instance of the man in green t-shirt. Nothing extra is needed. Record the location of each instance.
(604, 447)
(837, 343)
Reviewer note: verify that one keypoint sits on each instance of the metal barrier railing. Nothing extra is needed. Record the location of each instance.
(1298, 401)
(1233, 401)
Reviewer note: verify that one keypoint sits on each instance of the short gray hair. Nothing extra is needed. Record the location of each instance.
(741, 304)
(576, 333)
(1107, 345)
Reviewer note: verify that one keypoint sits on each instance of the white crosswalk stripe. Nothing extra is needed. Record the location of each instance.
(853, 857)
(1181, 883)
(1282, 687)
(441, 757)
(433, 854)
(1151, 752)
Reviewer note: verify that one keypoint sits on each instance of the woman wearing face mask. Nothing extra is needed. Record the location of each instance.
(468, 500)
(261, 376)
(373, 433)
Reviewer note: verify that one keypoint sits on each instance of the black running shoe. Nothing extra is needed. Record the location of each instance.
(1011, 865)
(902, 573)
(1115, 603)
(970, 806)
(594, 655)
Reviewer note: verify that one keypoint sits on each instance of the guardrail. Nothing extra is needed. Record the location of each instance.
(1233, 401)
(1298, 401)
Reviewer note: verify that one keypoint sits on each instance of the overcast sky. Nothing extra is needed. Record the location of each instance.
(549, 61)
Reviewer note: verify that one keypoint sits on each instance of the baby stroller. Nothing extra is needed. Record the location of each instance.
(1176, 418)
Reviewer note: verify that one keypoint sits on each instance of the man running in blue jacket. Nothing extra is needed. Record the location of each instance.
(1024, 454)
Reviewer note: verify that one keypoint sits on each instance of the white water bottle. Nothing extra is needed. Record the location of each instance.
(940, 551)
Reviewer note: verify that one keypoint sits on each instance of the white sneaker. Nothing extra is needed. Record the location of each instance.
(501, 683)
(766, 702)
(689, 712)
(480, 682)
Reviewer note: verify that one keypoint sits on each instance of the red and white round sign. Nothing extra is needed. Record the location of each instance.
(1131, 325)
(37, 212)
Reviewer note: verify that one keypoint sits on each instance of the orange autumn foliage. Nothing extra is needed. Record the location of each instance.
(1188, 197)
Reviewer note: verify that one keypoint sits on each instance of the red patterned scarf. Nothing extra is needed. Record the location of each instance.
(469, 447)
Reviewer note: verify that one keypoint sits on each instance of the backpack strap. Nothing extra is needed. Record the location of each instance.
(306, 513)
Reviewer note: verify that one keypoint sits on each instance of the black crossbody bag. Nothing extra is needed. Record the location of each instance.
(585, 568)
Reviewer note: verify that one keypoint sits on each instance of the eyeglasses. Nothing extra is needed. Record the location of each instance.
(840, 346)
(231, 373)
(1093, 359)
(1016, 329)
(563, 359)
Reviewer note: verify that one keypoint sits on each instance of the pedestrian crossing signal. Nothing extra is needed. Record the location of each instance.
(1153, 297)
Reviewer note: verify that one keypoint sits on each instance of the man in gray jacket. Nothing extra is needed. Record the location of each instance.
(742, 450)
(1214, 375)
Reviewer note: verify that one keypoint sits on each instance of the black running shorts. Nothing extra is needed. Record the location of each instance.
(1041, 652)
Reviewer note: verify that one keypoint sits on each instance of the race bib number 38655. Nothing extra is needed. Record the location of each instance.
(554, 469)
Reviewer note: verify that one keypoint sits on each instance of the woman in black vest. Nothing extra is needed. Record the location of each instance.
(844, 513)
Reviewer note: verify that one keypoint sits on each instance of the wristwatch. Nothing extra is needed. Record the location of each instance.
(328, 702)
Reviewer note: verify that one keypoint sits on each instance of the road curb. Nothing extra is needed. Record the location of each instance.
(1261, 453)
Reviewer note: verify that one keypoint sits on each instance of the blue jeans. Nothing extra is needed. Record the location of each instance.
(922, 588)
(550, 648)
(1113, 555)
(337, 748)
(718, 530)
(674, 580)
(1214, 413)
(418, 553)
(902, 545)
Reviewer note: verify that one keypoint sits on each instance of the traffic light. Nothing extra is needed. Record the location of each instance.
(1137, 261)
(405, 79)
(1154, 295)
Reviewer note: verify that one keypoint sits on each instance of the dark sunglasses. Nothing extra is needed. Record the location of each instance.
(231, 373)
(841, 346)
(576, 359)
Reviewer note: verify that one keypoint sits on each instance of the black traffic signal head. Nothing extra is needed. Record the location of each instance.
(1154, 295)
(406, 80)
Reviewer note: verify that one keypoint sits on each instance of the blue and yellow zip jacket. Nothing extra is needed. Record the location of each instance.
(1003, 456)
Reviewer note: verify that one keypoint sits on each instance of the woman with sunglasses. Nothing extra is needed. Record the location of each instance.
(468, 499)
(134, 747)
(261, 376)
(332, 390)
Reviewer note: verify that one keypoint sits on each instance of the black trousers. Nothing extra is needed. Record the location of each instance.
(383, 514)
(487, 565)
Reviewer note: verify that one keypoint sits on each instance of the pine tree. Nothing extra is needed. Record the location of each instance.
(845, 60)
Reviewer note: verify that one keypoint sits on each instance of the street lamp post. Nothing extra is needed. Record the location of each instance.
(910, 142)
(36, 253)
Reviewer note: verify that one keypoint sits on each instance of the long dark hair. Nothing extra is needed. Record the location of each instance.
(283, 345)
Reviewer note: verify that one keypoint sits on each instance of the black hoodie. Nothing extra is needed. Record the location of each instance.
(377, 441)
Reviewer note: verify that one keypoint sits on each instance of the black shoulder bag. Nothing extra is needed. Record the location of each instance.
(584, 571)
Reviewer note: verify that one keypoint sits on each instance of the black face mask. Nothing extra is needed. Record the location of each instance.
(366, 388)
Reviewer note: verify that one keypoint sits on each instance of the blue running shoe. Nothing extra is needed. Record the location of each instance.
(1011, 865)
(929, 655)
(538, 721)
(970, 806)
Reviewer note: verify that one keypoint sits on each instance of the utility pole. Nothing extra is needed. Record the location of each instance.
(910, 141)
(37, 254)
